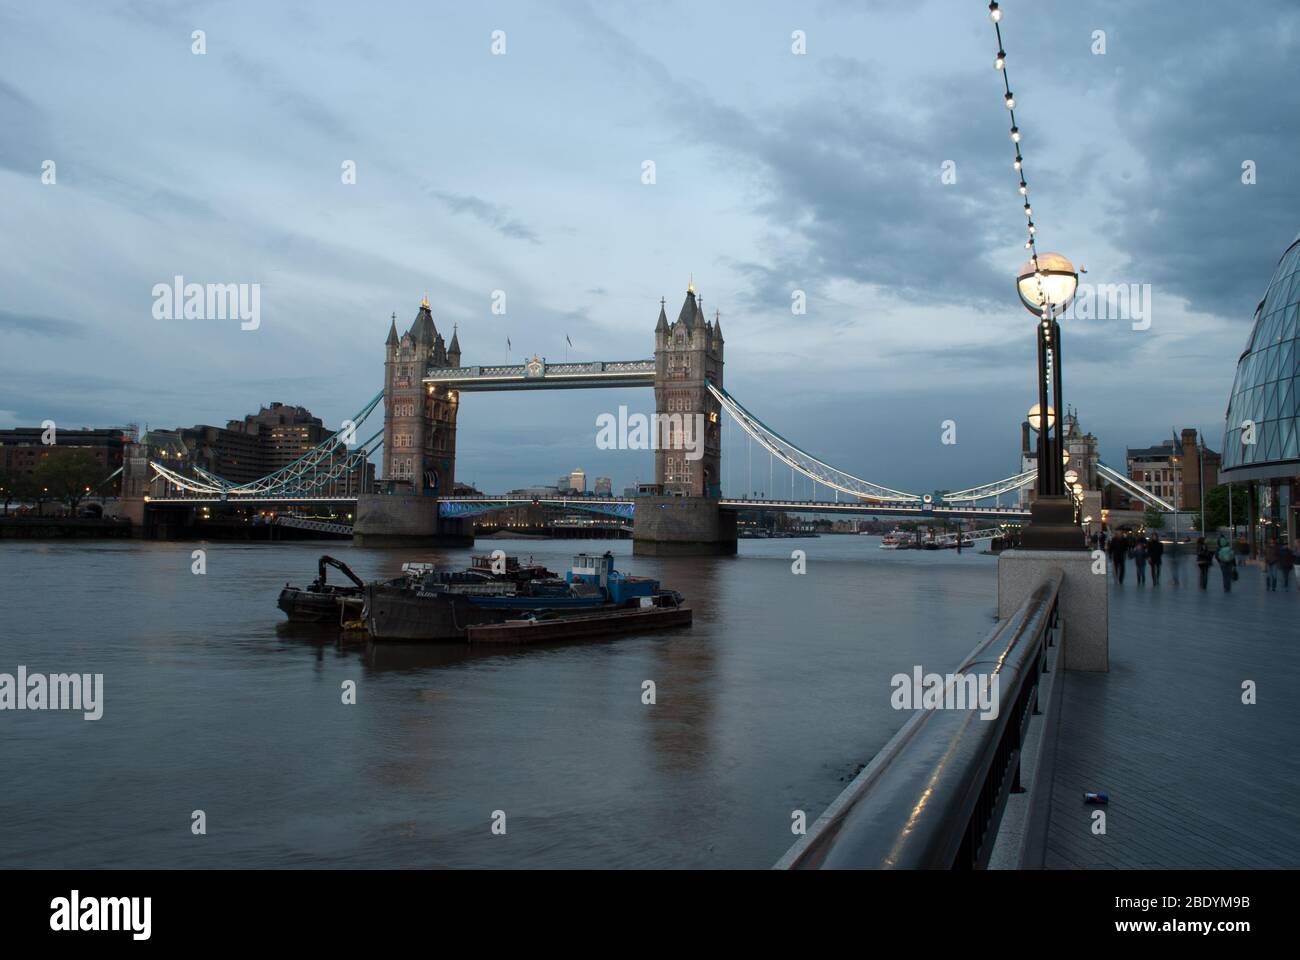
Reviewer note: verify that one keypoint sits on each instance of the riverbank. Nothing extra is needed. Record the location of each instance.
(60, 528)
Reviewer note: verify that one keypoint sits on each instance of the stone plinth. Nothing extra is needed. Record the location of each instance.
(133, 509)
(395, 520)
(1084, 599)
(682, 526)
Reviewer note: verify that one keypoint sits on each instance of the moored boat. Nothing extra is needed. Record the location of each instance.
(427, 604)
(572, 626)
(321, 601)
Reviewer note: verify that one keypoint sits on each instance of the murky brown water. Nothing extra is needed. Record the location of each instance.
(767, 704)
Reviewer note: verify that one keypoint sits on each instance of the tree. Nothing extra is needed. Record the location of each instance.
(9, 483)
(1216, 506)
(68, 477)
(1153, 519)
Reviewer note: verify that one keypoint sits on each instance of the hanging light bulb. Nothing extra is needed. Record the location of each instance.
(1011, 101)
(1018, 163)
(1029, 211)
(995, 12)
(1000, 60)
(1024, 188)
(1015, 134)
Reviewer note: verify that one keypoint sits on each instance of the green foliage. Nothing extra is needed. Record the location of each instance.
(68, 477)
(1153, 519)
(9, 485)
(1216, 506)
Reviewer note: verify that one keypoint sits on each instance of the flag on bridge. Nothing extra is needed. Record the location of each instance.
(507, 343)
(567, 340)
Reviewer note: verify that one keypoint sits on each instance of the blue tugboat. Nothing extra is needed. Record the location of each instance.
(427, 604)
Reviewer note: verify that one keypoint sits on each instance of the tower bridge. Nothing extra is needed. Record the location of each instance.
(686, 510)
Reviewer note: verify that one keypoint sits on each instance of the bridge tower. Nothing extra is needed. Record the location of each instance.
(685, 517)
(688, 353)
(419, 423)
(419, 441)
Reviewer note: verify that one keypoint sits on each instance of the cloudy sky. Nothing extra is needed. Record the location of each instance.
(522, 172)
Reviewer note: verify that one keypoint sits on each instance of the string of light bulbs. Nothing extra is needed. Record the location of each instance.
(1000, 64)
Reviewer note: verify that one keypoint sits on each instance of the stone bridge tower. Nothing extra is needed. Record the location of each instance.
(419, 444)
(688, 353)
(419, 421)
(686, 519)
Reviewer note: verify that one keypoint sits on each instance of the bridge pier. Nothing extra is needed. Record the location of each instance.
(682, 526)
(407, 520)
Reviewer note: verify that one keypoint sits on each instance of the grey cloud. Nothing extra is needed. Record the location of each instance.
(496, 217)
(26, 141)
(37, 325)
(279, 91)
(860, 188)
(1197, 100)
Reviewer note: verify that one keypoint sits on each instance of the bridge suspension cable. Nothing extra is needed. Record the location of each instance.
(329, 460)
(798, 459)
(994, 489)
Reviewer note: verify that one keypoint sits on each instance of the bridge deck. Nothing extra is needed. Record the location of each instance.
(1195, 778)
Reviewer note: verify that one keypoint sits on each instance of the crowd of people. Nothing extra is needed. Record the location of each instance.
(1148, 553)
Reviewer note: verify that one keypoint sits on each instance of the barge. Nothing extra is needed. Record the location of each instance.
(535, 629)
(320, 601)
(428, 604)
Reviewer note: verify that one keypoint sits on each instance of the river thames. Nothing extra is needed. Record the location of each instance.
(767, 704)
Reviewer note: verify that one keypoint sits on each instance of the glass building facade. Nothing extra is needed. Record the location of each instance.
(1266, 392)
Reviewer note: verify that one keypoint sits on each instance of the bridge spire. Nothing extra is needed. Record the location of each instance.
(453, 351)
(689, 308)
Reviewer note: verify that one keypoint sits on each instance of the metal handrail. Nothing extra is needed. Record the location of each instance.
(934, 795)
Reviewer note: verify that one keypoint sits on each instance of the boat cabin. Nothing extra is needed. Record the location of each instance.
(598, 571)
(587, 568)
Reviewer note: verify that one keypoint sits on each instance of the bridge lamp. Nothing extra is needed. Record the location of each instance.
(1046, 283)
(1072, 478)
(1078, 489)
(1048, 287)
(1035, 418)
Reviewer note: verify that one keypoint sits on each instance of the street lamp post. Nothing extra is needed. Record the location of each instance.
(1046, 284)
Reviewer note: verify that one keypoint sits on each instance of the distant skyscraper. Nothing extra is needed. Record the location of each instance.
(578, 480)
(604, 487)
(563, 484)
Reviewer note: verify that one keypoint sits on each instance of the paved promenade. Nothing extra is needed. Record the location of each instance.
(1196, 778)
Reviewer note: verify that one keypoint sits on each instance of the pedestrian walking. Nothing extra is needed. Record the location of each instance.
(1175, 553)
(1155, 556)
(1204, 560)
(1285, 564)
(1227, 558)
(1139, 553)
(1270, 565)
(1118, 551)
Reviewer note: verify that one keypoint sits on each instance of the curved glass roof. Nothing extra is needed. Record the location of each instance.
(1266, 391)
